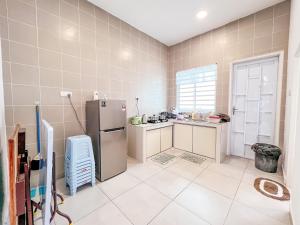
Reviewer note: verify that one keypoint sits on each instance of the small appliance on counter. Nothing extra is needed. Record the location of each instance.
(157, 118)
(169, 115)
(153, 119)
(136, 120)
(144, 119)
(163, 118)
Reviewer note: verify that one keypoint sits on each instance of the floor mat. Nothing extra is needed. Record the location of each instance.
(163, 158)
(272, 189)
(193, 158)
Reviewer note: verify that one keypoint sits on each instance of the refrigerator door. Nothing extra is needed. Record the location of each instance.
(112, 114)
(113, 152)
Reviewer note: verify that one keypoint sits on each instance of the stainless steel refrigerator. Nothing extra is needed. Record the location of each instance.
(106, 125)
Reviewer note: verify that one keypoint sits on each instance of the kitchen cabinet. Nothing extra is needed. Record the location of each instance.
(152, 142)
(166, 138)
(183, 137)
(204, 141)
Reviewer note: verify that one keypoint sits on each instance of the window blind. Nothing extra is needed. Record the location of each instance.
(196, 89)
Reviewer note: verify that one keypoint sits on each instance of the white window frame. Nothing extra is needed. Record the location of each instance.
(208, 74)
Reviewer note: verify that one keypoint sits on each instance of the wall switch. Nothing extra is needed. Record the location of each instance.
(65, 93)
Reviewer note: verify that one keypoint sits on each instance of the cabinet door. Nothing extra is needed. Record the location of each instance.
(183, 137)
(153, 142)
(204, 141)
(166, 138)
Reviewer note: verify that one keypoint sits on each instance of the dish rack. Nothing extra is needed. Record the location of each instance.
(79, 162)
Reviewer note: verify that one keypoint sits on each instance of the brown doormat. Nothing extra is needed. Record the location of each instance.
(272, 189)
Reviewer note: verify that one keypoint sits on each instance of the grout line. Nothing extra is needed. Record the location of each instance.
(190, 182)
(233, 199)
(116, 206)
(173, 200)
(10, 71)
(38, 59)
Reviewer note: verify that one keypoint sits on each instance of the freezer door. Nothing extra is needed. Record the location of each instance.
(113, 153)
(112, 114)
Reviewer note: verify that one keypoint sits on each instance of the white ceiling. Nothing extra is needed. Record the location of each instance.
(173, 21)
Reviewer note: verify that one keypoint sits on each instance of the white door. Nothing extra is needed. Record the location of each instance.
(253, 105)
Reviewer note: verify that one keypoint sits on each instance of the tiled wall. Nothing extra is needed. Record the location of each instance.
(54, 45)
(263, 32)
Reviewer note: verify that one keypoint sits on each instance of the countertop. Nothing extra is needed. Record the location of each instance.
(171, 122)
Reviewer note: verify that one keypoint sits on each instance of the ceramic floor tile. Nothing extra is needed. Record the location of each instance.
(144, 171)
(168, 183)
(131, 162)
(141, 204)
(278, 210)
(163, 166)
(241, 214)
(186, 169)
(252, 169)
(236, 162)
(108, 214)
(174, 214)
(224, 185)
(82, 203)
(227, 170)
(205, 203)
(118, 185)
(39, 221)
(249, 177)
(174, 151)
(259, 173)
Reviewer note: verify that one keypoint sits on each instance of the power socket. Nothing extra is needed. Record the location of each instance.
(66, 93)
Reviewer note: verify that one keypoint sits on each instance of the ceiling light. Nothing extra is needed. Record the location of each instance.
(201, 14)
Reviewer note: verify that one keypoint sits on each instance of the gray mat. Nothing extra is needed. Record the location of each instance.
(163, 158)
(193, 158)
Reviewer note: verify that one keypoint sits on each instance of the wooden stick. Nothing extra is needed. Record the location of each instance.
(12, 157)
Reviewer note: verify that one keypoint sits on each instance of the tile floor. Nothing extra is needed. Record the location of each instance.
(180, 193)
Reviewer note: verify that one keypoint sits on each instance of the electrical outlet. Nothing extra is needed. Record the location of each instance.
(65, 93)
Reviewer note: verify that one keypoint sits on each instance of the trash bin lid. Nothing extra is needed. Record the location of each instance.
(266, 149)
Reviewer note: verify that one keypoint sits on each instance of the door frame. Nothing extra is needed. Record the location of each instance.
(280, 55)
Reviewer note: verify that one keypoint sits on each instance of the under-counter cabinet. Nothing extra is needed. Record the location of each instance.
(158, 140)
(153, 142)
(166, 138)
(204, 141)
(183, 137)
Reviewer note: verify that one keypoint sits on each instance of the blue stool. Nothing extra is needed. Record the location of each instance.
(79, 162)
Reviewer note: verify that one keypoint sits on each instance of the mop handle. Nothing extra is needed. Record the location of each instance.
(37, 110)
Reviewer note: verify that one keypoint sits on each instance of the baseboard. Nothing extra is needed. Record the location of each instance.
(284, 175)
(291, 217)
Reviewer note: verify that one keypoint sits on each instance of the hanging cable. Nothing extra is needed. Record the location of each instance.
(137, 106)
(77, 117)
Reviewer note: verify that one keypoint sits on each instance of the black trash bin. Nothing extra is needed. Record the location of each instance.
(266, 157)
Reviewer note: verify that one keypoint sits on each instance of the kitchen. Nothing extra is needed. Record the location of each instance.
(166, 102)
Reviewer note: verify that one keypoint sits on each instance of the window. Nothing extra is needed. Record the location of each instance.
(196, 89)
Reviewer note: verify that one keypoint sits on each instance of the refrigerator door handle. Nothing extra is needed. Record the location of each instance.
(114, 129)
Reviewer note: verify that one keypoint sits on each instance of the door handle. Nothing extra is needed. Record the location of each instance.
(234, 109)
(114, 130)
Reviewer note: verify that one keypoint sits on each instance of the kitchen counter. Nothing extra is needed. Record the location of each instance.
(171, 122)
(198, 137)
